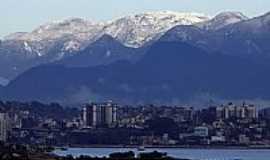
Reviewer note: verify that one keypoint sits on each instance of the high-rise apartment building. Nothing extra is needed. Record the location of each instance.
(4, 126)
(99, 114)
(234, 111)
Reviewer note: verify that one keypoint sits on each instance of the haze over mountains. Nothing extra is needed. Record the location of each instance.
(157, 57)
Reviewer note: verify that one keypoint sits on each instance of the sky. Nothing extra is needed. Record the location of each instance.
(25, 15)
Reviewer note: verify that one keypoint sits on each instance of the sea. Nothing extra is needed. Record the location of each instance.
(193, 154)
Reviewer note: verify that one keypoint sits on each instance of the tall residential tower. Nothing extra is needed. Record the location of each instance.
(99, 114)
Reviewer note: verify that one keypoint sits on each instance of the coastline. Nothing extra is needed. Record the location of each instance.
(176, 152)
(263, 147)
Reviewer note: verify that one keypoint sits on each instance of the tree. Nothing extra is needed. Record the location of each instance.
(161, 125)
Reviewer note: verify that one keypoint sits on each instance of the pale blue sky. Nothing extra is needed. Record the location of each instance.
(25, 15)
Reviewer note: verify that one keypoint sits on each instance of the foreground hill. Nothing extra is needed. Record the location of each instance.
(247, 38)
(168, 72)
(104, 51)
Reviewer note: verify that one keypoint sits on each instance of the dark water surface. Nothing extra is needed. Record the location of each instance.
(194, 154)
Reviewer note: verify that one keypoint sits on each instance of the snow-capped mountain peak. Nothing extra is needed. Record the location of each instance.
(75, 27)
(133, 31)
(266, 19)
(16, 35)
(229, 15)
(193, 17)
(66, 35)
(61, 39)
(223, 19)
(136, 30)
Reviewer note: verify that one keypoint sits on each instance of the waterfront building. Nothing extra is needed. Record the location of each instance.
(243, 139)
(201, 131)
(218, 139)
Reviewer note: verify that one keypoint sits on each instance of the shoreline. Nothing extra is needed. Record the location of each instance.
(263, 147)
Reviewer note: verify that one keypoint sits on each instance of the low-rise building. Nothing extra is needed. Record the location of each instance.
(201, 131)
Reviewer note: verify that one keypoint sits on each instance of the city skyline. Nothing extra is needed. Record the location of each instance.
(24, 16)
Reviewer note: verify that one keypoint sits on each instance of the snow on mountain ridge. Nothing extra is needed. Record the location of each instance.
(79, 28)
(222, 19)
(133, 30)
(16, 35)
(192, 16)
(136, 30)
(73, 34)
(70, 33)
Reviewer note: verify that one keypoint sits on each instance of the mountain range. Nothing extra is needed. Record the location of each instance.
(157, 57)
(57, 40)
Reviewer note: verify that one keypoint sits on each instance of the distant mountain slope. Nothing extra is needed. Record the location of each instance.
(168, 72)
(222, 20)
(247, 38)
(104, 51)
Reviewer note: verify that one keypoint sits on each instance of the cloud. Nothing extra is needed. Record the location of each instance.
(82, 95)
